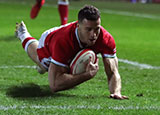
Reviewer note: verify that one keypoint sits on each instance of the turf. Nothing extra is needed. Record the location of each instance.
(24, 91)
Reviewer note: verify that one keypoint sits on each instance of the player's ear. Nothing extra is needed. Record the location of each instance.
(78, 24)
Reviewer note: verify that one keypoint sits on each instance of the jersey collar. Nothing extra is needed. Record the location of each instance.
(76, 32)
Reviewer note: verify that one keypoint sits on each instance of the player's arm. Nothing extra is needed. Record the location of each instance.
(114, 79)
(60, 79)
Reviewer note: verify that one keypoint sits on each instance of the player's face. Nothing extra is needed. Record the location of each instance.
(88, 31)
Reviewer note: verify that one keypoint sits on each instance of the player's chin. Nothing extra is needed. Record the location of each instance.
(91, 43)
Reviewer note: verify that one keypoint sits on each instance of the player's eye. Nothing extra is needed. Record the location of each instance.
(88, 29)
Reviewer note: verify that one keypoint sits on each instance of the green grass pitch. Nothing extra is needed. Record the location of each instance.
(135, 28)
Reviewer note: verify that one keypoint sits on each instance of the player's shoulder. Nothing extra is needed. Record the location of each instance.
(67, 29)
(105, 34)
(69, 25)
(65, 34)
(63, 28)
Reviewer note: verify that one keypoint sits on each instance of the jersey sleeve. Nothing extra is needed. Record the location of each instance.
(108, 46)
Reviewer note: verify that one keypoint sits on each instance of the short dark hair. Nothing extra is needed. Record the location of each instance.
(88, 12)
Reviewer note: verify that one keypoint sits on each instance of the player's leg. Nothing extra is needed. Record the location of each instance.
(30, 44)
(36, 8)
(63, 10)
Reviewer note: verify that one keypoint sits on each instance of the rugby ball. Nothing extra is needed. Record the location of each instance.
(79, 63)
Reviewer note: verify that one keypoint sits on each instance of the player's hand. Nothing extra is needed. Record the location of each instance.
(92, 68)
(114, 96)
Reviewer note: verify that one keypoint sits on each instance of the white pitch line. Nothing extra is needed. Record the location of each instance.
(125, 13)
(108, 11)
(66, 107)
(17, 66)
(133, 63)
(116, 12)
(135, 107)
(140, 65)
(137, 64)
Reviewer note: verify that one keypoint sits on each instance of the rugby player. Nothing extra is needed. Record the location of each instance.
(57, 47)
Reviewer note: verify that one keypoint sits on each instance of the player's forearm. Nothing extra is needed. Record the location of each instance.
(66, 81)
(114, 80)
(115, 84)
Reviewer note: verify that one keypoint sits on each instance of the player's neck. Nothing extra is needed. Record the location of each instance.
(81, 40)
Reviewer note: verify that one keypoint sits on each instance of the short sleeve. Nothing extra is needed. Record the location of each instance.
(107, 45)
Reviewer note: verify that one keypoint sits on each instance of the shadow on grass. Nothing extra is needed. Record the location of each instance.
(28, 90)
(32, 90)
(8, 38)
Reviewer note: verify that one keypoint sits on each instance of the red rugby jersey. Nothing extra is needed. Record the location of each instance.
(60, 45)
